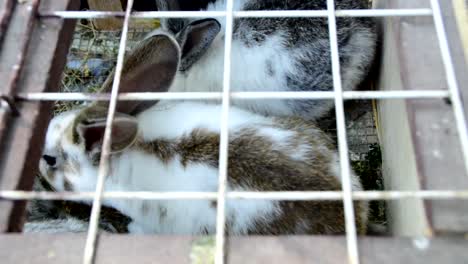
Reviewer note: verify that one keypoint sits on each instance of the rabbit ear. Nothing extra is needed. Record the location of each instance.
(90, 130)
(195, 39)
(150, 67)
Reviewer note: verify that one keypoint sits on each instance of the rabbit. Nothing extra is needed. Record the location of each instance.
(273, 54)
(174, 146)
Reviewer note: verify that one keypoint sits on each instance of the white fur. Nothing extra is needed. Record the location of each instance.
(137, 171)
(248, 73)
(248, 69)
(134, 170)
(250, 64)
(67, 225)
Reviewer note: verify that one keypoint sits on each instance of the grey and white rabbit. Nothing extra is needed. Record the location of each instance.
(273, 54)
(174, 146)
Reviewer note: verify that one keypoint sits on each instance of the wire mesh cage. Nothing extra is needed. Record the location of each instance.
(400, 132)
(93, 54)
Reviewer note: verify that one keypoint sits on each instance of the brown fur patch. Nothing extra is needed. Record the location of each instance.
(164, 150)
(255, 164)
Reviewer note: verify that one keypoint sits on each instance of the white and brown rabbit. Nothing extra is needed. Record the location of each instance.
(174, 146)
(273, 54)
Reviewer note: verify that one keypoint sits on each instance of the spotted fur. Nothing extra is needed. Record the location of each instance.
(174, 146)
(282, 54)
(261, 158)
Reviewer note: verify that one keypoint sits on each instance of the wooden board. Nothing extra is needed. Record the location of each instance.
(434, 159)
(67, 248)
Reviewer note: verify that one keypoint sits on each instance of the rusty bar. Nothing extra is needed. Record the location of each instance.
(6, 9)
(16, 69)
(24, 45)
(11, 66)
(43, 66)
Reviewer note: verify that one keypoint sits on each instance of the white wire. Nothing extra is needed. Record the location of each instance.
(351, 236)
(451, 80)
(312, 95)
(280, 195)
(261, 13)
(91, 238)
(338, 13)
(224, 139)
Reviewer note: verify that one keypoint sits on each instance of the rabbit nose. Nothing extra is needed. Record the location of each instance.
(49, 160)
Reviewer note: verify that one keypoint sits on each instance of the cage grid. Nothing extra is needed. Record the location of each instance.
(93, 54)
(339, 96)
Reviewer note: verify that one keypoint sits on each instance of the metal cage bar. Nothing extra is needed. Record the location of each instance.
(149, 96)
(236, 14)
(90, 246)
(224, 140)
(287, 195)
(451, 80)
(351, 235)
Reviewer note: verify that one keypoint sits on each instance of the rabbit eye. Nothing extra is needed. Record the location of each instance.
(50, 160)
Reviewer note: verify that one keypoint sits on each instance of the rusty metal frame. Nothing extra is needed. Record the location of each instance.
(6, 8)
(38, 69)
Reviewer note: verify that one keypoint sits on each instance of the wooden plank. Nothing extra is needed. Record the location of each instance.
(20, 147)
(430, 124)
(399, 169)
(333, 250)
(111, 23)
(460, 8)
(447, 171)
(265, 249)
